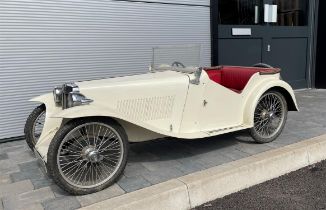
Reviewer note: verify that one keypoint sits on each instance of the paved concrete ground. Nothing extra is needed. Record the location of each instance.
(302, 189)
(23, 186)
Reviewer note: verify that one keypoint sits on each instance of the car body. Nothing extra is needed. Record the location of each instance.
(161, 104)
(185, 103)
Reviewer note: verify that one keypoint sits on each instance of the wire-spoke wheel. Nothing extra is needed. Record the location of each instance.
(34, 125)
(88, 155)
(269, 117)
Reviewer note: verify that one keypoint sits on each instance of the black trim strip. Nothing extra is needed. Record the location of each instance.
(17, 138)
(214, 33)
(151, 2)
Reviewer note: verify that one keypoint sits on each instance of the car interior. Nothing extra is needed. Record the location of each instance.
(236, 78)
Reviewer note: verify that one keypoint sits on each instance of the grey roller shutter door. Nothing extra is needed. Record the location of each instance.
(44, 43)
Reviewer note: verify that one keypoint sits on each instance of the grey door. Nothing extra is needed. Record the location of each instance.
(247, 34)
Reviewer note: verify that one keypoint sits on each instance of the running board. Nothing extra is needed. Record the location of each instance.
(226, 130)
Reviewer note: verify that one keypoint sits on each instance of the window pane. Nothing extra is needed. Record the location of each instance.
(292, 12)
(240, 12)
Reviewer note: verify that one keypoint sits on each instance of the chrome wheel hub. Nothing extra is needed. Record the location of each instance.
(267, 114)
(91, 154)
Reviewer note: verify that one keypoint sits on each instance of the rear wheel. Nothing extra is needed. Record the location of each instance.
(87, 156)
(269, 117)
(34, 126)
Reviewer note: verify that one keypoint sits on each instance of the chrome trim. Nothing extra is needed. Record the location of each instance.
(77, 99)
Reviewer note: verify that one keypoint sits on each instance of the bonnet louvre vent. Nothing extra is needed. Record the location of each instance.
(146, 109)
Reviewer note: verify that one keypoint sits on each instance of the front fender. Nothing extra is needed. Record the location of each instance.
(259, 90)
(98, 110)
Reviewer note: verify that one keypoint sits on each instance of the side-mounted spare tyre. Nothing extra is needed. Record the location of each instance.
(87, 155)
(34, 126)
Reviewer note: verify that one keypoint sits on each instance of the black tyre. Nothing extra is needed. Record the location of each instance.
(34, 125)
(269, 117)
(87, 155)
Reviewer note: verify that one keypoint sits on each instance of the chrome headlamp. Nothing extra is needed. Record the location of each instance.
(68, 96)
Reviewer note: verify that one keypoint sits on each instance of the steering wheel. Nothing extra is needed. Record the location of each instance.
(178, 64)
(262, 65)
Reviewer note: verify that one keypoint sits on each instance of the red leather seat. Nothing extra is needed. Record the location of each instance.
(235, 77)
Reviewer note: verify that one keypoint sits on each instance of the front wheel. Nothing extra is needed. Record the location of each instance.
(87, 155)
(34, 126)
(269, 117)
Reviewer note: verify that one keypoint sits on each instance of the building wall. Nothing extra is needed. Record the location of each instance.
(44, 43)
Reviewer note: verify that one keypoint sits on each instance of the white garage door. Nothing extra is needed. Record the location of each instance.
(44, 43)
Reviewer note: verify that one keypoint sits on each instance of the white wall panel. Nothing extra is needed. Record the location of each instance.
(187, 2)
(44, 43)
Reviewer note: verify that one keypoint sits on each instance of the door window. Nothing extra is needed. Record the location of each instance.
(239, 12)
(251, 12)
(292, 13)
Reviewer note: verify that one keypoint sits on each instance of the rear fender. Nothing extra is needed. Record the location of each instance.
(258, 91)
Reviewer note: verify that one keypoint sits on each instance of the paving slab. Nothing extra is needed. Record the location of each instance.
(28, 200)
(129, 184)
(21, 156)
(16, 188)
(33, 206)
(5, 179)
(162, 175)
(62, 203)
(58, 192)
(108, 193)
(8, 166)
(11, 147)
(3, 156)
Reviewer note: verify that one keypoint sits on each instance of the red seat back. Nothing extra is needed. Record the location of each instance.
(215, 75)
(236, 78)
(232, 77)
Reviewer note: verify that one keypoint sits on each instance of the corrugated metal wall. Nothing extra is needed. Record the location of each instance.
(44, 43)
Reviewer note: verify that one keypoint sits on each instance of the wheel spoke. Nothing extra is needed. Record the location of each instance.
(38, 126)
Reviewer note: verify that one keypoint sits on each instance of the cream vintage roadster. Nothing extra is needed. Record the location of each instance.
(81, 131)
